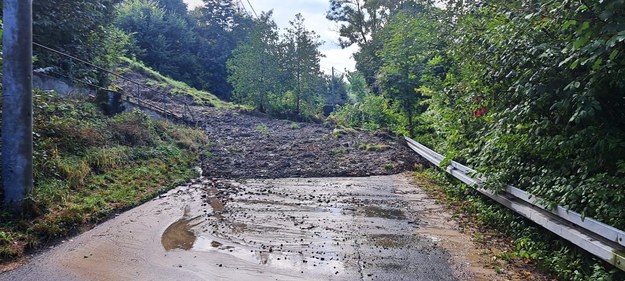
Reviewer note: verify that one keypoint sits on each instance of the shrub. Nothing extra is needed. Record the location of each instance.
(372, 113)
(74, 170)
(107, 159)
(131, 129)
(76, 134)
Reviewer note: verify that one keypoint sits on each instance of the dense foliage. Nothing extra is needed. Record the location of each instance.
(530, 241)
(189, 46)
(163, 37)
(551, 76)
(83, 29)
(530, 93)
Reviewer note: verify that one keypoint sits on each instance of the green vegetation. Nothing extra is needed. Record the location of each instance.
(280, 75)
(373, 147)
(531, 242)
(338, 133)
(263, 129)
(156, 79)
(370, 113)
(528, 93)
(88, 167)
(82, 28)
(294, 126)
(183, 44)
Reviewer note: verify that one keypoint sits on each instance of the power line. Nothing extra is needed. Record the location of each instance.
(243, 7)
(252, 7)
(138, 99)
(85, 62)
(336, 70)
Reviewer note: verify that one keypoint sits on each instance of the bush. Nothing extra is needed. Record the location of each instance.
(131, 129)
(372, 113)
(76, 134)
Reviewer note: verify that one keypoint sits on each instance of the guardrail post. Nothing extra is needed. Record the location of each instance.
(17, 109)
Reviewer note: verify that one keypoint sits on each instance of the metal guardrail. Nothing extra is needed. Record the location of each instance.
(601, 240)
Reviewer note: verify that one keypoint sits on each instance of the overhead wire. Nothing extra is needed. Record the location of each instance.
(252, 7)
(244, 8)
(85, 62)
(96, 87)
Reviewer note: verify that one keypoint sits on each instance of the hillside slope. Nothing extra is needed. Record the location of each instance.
(158, 87)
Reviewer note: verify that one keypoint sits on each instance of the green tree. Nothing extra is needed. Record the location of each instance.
(362, 22)
(302, 57)
(357, 86)
(165, 39)
(221, 26)
(414, 39)
(81, 28)
(254, 70)
(177, 7)
(551, 77)
(361, 18)
(335, 93)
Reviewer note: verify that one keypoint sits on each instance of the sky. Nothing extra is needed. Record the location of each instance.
(314, 13)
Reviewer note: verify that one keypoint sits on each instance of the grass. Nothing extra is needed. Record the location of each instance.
(263, 129)
(89, 166)
(340, 131)
(176, 87)
(530, 242)
(294, 126)
(373, 147)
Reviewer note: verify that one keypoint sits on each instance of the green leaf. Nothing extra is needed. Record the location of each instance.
(585, 26)
(613, 55)
(580, 42)
(568, 24)
(597, 64)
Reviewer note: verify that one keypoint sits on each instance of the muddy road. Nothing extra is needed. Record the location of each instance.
(278, 200)
(368, 228)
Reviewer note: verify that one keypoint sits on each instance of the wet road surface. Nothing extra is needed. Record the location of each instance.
(375, 228)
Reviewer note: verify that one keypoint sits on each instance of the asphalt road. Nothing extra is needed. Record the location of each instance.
(375, 228)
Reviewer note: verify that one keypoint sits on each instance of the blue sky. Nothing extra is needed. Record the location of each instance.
(314, 13)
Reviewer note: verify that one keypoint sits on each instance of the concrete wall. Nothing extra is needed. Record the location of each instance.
(63, 88)
(129, 107)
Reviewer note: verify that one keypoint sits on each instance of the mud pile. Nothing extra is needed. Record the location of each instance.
(251, 145)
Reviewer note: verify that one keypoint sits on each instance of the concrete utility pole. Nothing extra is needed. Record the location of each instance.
(17, 102)
(333, 89)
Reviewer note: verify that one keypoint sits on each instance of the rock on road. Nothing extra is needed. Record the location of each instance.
(371, 228)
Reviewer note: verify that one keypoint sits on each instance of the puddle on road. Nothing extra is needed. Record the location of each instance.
(179, 236)
(378, 212)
